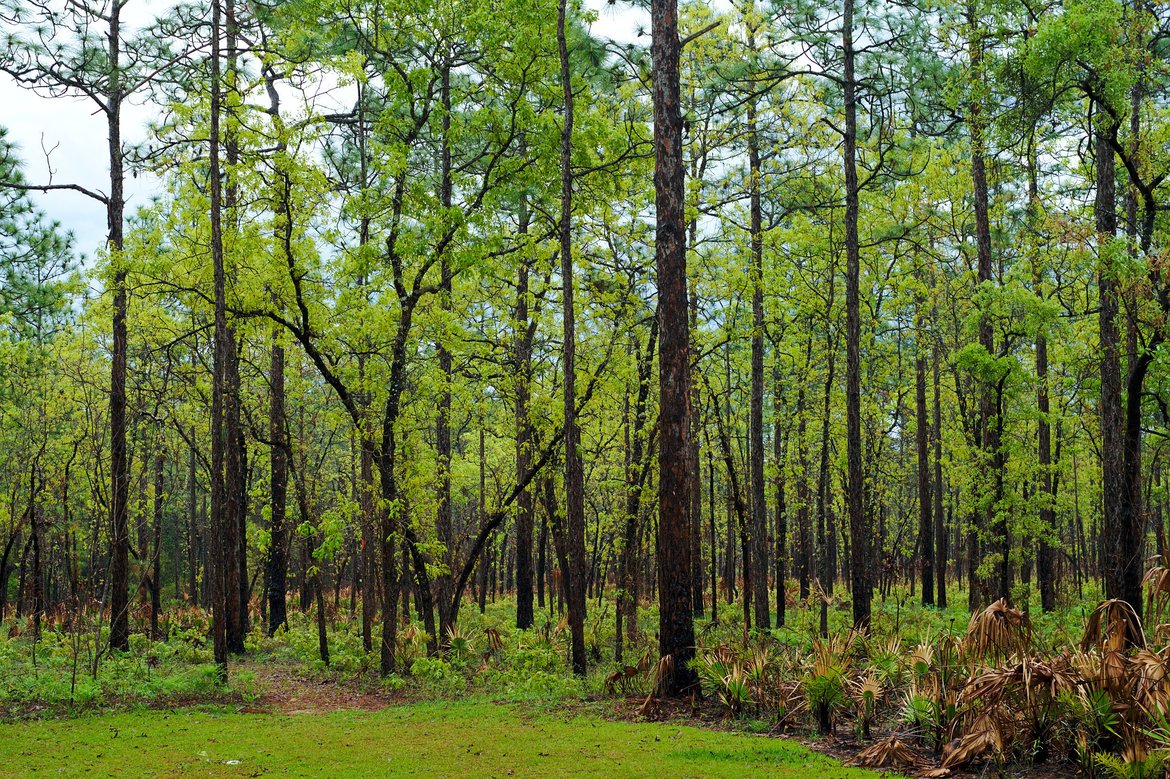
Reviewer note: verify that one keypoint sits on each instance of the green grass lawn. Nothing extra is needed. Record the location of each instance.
(433, 739)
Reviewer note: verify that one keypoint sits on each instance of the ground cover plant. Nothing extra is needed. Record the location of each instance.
(418, 739)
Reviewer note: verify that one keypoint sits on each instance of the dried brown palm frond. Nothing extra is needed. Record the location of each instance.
(1089, 666)
(1047, 678)
(982, 738)
(868, 687)
(1114, 675)
(1111, 626)
(884, 645)
(989, 687)
(890, 752)
(998, 631)
(1157, 585)
(922, 659)
(785, 699)
(662, 671)
(1150, 686)
(623, 681)
(495, 641)
(650, 707)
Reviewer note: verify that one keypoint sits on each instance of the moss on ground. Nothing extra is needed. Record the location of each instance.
(431, 739)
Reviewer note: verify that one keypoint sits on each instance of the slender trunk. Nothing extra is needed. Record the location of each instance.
(276, 575)
(859, 531)
(926, 545)
(232, 495)
(574, 472)
(156, 551)
(525, 332)
(448, 610)
(804, 542)
(759, 512)
(192, 531)
(778, 447)
(219, 533)
(940, 530)
(119, 467)
(485, 557)
(824, 479)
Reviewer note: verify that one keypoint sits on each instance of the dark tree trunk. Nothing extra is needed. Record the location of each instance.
(926, 544)
(824, 479)
(574, 472)
(695, 464)
(192, 531)
(804, 541)
(676, 635)
(276, 575)
(231, 505)
(859, 531)
(1118, 545)
(119, 467)
(714, 539)
(156, 551)
(541, 562)
(220, 533)
(778, 446)
(525, 332)
(940, 530)
(485, 557)
(759, 511)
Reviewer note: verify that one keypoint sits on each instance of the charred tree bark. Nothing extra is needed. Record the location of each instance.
(759, 511)
(676, 635)
(276, 575)
(119, 467)
(859, 531)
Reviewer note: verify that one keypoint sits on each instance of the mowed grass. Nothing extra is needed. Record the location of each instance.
(432, 739)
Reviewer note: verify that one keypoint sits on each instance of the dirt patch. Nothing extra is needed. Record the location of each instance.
(286, 689)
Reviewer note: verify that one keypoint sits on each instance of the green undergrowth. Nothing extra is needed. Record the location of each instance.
(489, 658)
(421, 739)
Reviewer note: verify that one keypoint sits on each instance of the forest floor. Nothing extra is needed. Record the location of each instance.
(309, 729)
(482, 710)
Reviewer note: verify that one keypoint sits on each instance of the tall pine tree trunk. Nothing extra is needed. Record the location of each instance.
(859, 531)
(676, 635)
(574, 471)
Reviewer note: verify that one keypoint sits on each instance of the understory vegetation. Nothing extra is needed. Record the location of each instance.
(928, 691)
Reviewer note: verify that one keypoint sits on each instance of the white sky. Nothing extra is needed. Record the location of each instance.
(75, 135)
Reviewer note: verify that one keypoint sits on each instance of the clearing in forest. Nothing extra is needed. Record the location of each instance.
(421, 739)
